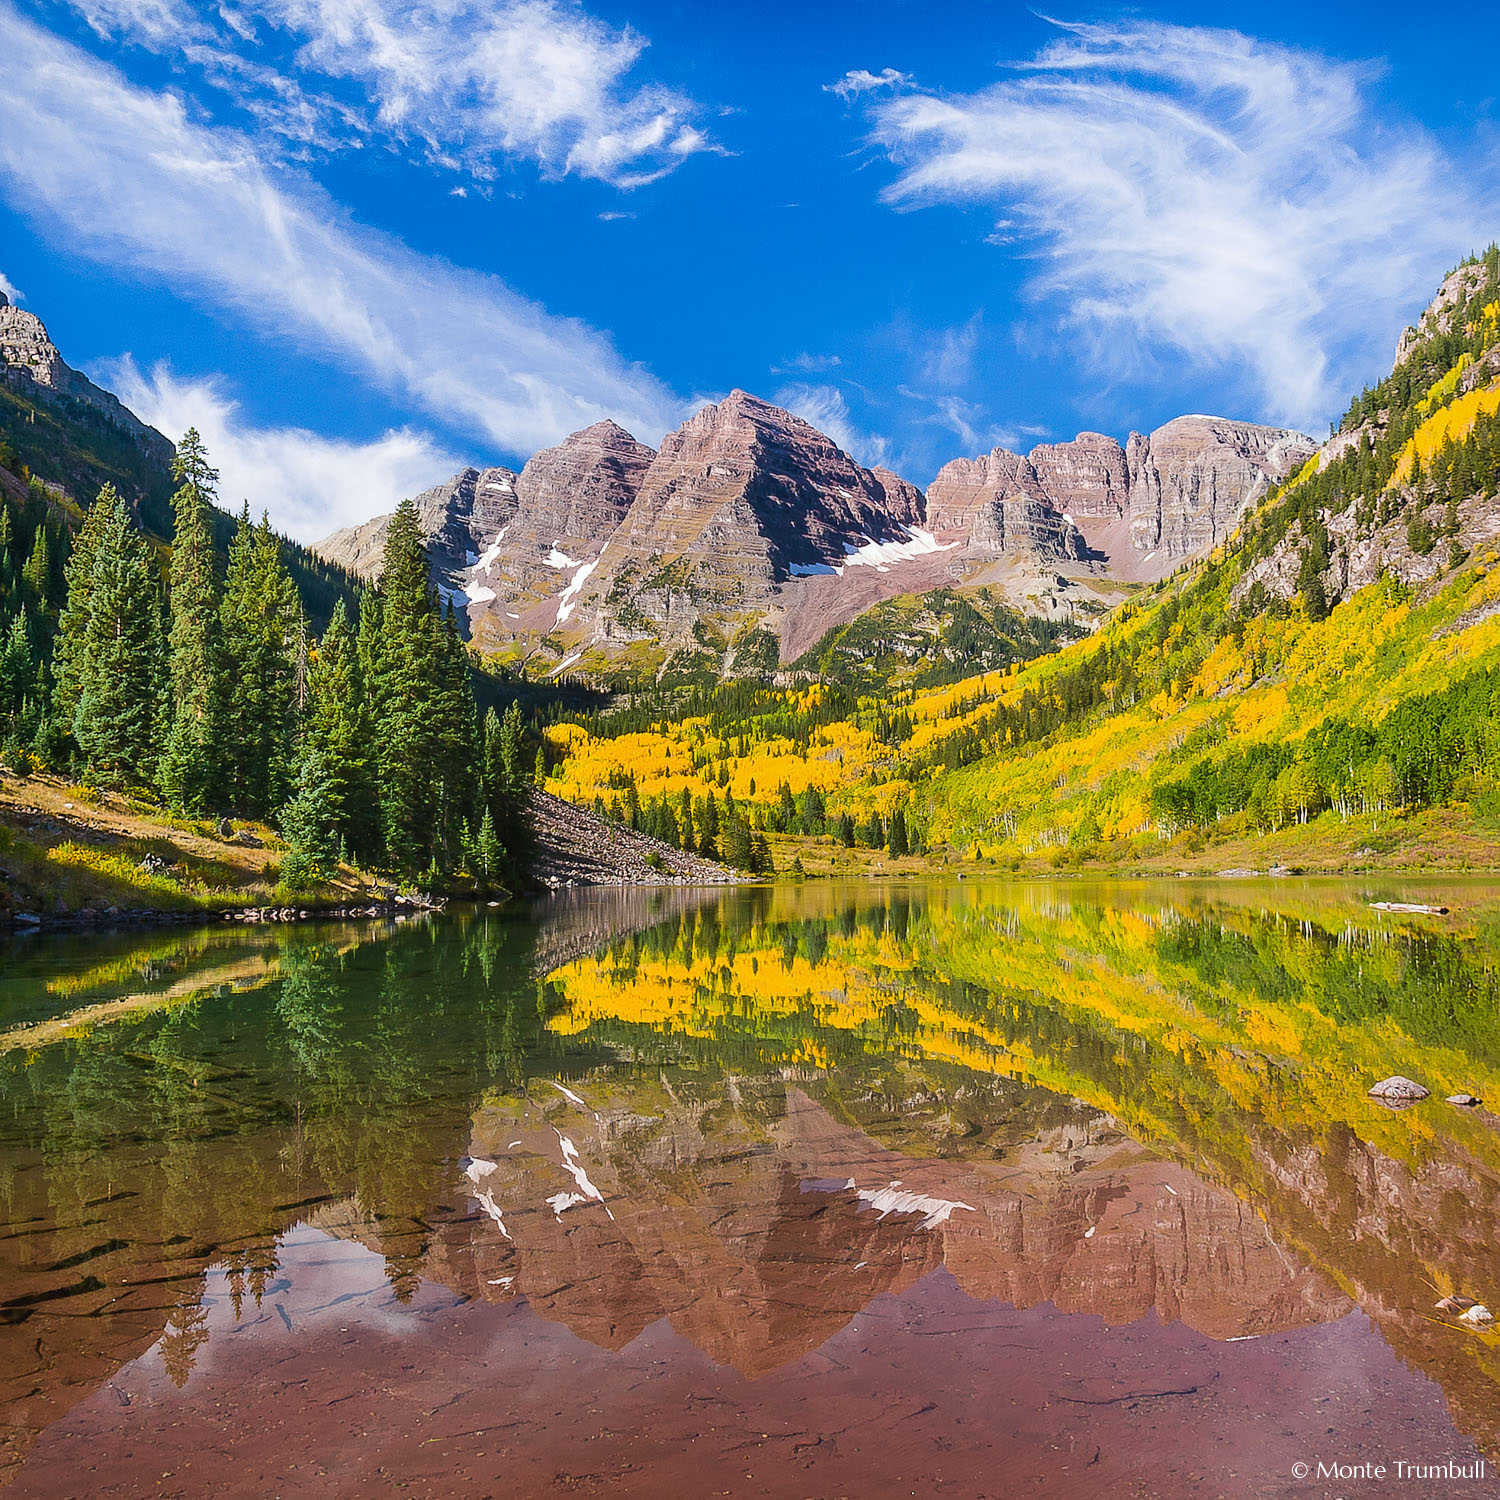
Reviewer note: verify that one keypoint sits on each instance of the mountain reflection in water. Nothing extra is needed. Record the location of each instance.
(1083, 1173)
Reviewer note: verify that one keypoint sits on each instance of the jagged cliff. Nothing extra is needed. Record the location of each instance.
(31, 363)
(751, 534)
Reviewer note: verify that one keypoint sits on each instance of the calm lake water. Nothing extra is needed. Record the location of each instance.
(834, 1190)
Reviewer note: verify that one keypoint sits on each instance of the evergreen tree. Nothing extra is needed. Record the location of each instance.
(456, 736)
(307, 824)
(37, 574)
(489, 851)
(812, 813)
(845, 830)
(425, 727)
(18, 669)
(737, 844)
(260, 619)
(118, 663)
(506, 793)
(191, 775)
(897, 842)
(68, 656)
(336, 728)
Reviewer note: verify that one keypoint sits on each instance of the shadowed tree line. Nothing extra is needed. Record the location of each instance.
(195, 677)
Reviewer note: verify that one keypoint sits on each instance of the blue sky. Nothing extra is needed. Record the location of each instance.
(358, 243)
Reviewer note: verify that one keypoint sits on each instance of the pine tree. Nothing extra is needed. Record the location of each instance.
(191, 774)
(18, 668)
(425, 729)
(897, 843)
(506, 785)
(260, 619)
(37, 574)
(119, 658)
(456, 739)
(68, 655)
(336, 728)
(306, 824)
(490, 852)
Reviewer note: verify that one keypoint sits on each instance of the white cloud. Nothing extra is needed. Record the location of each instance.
(861, 81)
(8, 289)
(824, 407)
(467, 82)
(310, 485)
(473, 81)
(949, 356)
(1238, 202)
(808, 364)
(124, 176)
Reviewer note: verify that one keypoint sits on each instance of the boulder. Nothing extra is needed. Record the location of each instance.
(1398, 1090)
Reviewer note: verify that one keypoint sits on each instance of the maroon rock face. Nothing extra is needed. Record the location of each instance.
(1086, 477)
(749, 474)
(743, 498)
(750, 516)
(997, 505)
(1191, 480)
(29, 359)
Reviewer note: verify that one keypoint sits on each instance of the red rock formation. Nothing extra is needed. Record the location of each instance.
(750, 516)
(1191, 480)
(31, 361)
(996, 505)
(1086, 477)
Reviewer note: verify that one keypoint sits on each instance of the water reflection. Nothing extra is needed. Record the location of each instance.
(751, 1117)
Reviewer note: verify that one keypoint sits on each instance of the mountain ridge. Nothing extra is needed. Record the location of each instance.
(750, 529)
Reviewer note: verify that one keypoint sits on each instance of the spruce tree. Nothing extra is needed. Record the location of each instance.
(455, 722)
(72, 625)
(191, 774)
(307, 825)
(119, 659)
(506, 793)
(426, 729)
(897, 842)
(405, 671)
(260, 619)
(18, 670)
(336, 728)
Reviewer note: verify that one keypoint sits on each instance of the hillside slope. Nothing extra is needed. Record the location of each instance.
(1329, 675)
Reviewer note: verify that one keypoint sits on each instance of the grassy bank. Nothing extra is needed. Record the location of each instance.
(71, 851)
(1448, 840)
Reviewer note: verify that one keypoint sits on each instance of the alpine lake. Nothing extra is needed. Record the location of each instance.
(982, 1189)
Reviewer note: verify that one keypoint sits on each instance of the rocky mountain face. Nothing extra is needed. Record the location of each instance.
(458, 518)
(1159, 498)
(31, 364)
(751, 534)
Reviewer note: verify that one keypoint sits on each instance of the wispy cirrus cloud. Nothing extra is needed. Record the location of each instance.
(310, 484)
(859, 81)
(125, 176)
(1196, 191)
(826, 408)
(467, 84)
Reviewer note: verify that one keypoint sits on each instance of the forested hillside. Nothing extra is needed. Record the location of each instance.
(204, 685)
(1333, 669)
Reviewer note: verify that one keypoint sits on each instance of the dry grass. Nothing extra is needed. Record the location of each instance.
(66, 848)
